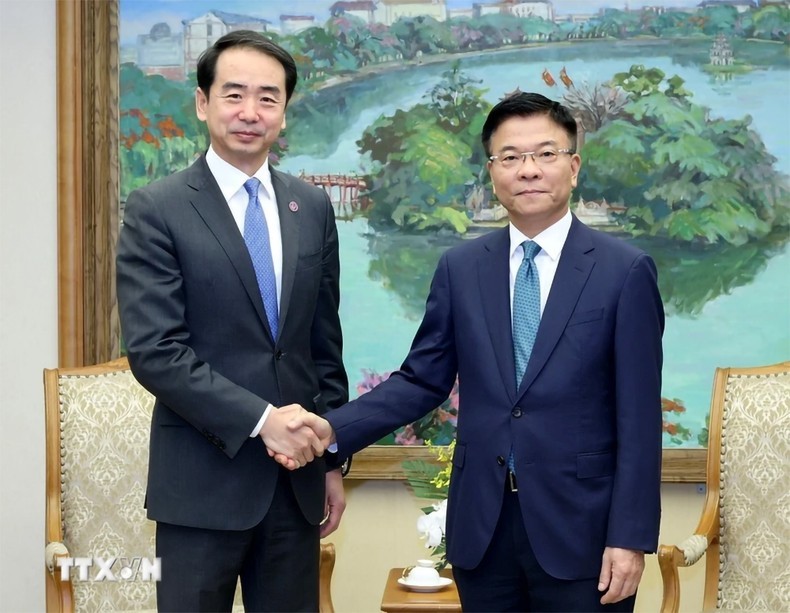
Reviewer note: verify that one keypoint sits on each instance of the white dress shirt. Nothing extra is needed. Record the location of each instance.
(231, 183)
(551, 242)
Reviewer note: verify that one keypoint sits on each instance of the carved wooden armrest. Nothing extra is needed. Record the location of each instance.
(53, 551)
(687, 553)
(326, 566)
(60, 596)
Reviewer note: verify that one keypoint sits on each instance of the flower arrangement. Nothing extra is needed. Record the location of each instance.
(431, 480)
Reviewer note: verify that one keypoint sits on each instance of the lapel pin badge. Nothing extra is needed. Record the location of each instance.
(293, 206)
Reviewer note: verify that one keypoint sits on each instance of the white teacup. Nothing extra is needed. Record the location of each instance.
(423, 573)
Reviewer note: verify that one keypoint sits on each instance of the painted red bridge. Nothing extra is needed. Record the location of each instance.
(343, 192)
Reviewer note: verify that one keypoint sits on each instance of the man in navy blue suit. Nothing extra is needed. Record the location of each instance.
(555, 491)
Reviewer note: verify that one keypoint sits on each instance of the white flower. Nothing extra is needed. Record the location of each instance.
(431, 526)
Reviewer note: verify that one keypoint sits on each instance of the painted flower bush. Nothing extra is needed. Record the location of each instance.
(670, 409)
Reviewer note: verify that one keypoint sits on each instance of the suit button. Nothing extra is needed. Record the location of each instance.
(279, 355)
(516, 412)
(500, 460)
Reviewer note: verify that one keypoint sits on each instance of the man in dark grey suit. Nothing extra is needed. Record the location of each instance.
(228, 287)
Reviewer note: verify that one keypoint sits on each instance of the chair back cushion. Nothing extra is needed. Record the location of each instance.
(105, 424)
(755, 493)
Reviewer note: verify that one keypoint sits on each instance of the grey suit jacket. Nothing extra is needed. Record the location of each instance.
(197, 338)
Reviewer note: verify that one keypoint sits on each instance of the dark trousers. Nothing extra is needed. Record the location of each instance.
(277, 561)
(509, 578)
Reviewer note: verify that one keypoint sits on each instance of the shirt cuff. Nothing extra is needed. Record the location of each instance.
(261, 421)
(332, 448)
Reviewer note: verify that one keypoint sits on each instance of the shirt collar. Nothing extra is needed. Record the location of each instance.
(230, 179)
(551, 240)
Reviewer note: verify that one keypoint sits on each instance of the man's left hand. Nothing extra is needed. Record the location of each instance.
(620, 573)
(335, 502)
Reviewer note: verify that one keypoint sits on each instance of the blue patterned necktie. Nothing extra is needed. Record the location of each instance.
(256, 235)
(526, 316)
(526, 308)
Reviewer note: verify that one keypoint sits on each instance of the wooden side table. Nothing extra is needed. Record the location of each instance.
(399, 599)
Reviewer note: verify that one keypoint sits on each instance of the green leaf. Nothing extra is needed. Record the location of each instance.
(419, 474)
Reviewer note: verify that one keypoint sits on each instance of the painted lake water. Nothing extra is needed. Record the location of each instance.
(724, 307)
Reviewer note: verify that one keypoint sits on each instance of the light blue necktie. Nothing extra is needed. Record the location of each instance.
(526, 315)
(256, 235)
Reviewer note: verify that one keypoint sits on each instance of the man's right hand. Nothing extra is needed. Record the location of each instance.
(321, 427)
(291, 447)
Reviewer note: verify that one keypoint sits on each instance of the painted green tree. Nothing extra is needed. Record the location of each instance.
(680, 173)
(425, 156)
(159, 132)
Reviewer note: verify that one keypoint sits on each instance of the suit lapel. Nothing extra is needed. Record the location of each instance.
(210, 204)
(494, 281)
(290, 219)
(572, 273)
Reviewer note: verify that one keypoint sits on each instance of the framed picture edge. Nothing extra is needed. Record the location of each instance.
(88, 181)
(386, 462)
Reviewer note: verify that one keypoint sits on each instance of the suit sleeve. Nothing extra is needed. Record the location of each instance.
(423, 382)
(636, 509)
(151, 299)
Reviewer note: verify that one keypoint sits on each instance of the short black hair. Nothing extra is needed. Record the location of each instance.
(207, 62)
(525, 104)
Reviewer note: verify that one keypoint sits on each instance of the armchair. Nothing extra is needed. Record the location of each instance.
(745, 525)
(98, 420)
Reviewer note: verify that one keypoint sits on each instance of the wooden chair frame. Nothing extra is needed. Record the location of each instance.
(672, 557)
(59, 593)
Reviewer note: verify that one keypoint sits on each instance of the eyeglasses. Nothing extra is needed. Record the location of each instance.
(544, 157)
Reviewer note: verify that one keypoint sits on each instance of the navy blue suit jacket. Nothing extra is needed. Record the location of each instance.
(585, 423)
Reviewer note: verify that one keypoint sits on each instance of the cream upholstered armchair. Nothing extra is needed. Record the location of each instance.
(745, 525)
(98, 420)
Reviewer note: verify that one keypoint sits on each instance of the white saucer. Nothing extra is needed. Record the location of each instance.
(443, 582)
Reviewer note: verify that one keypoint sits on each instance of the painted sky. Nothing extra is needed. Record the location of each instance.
(137, 16)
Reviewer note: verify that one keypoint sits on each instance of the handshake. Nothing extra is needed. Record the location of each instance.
(293, 436)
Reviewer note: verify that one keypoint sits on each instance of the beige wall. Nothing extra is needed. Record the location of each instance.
(378, 531)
